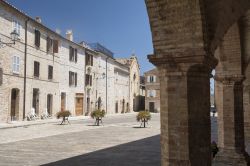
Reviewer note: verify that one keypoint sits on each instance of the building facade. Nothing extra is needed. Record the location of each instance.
(42, 72)
(134, 83)
(107, 82)
(152, 95)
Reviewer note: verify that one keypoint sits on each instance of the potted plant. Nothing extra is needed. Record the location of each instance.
(143, 117)
(65, 115)
(98, 115)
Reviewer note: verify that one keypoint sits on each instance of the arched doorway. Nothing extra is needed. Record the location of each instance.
(14, 113)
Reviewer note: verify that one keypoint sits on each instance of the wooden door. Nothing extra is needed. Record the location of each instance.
(79, 104)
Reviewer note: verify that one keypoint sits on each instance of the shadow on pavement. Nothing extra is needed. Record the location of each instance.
(144, 152)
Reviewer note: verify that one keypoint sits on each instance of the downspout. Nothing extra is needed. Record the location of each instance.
(25, 68)
(107, 84)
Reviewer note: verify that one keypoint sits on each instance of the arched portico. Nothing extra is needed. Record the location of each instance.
(185, 36)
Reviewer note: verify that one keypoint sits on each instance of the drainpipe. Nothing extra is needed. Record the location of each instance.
(25, 68)
(107, 84)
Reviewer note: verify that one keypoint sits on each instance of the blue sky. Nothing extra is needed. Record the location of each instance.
(120, 25)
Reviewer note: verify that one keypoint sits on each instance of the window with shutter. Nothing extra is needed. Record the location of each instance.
(50, 72)
(37, 38)
(75, 79)
(16, 64)
(1, 76)
(16, 27)
(75, 54)
(71, 53)
(55, 46)
(69, 78)
(36, 69)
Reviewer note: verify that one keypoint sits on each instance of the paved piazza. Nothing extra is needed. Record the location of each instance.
(120, 142)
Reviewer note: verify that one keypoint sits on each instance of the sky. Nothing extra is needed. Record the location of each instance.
(122, 26)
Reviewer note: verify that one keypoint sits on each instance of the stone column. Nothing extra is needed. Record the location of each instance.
(246, 99)
(185, 112)
(230, 122)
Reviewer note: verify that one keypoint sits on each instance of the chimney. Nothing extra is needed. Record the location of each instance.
(58, 31)
(38, 19)
(69, 35)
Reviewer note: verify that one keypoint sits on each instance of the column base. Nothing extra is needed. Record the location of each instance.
(231, 158)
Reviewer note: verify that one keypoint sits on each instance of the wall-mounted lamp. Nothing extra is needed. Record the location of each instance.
(14, 37)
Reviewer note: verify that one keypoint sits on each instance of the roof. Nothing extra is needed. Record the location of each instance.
(151, 71)
(100, 48)
(40, 24)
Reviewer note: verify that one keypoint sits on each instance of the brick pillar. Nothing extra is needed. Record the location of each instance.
(246, 106)
(230, 122)
(185, 113)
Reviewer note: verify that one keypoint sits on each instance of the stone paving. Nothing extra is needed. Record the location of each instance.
(118, 143)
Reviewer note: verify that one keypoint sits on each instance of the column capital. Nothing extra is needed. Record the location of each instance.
(183, 61)
(230, 79)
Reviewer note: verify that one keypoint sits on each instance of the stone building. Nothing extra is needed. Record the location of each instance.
(108, 82)
(152, 86)
(134, 84)
(190, 39)
(142, 93)
(43, 70)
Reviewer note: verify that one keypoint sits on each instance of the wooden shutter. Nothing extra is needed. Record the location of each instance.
(90, 80)
(71, 53)
(69, 78)
(91, 59)
(55, 46)
(50, 72)
(37, 38)
(48, 44)
(1, 76)
(75, 55)
(36, 69)
(75, 79)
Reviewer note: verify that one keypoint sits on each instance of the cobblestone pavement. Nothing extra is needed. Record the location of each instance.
(118, 143)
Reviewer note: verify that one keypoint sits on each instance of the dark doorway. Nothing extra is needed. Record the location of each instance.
(123, 106)
(14, 113)
(49, 103)
(63, 101)
(35, 101)
(151, 106)
(116, 107)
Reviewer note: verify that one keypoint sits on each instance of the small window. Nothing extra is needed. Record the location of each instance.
(72, 54)
(72, 78)
(36, 69)
(50, 72)
(49, 45)
(16, 64)
(55, 46)
(37, 38)
(16, 27)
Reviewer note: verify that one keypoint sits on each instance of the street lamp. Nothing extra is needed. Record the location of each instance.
(14, 37)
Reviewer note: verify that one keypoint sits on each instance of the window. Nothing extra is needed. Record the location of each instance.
(49, 45)
(55, 46)
(89, 59)
(72, 54)
(151, 93)
(151, 79)
(16, 27)
(50, 72)
(37, 38)
(36, 69)
(72, 78)
(88, 80)
(16, 64)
